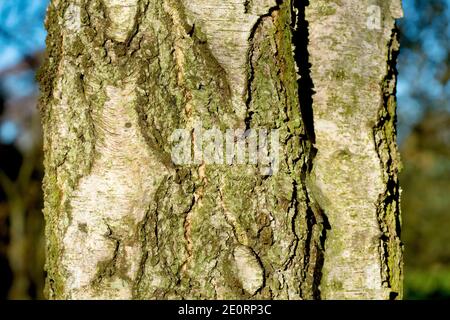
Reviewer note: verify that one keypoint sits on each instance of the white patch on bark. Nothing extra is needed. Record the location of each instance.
(111, 202)
(72, 17)
(250, 272)
(121, 15)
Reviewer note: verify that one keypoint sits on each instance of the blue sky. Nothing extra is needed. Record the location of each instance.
(22, 29)
(419, 87)
(21, 32)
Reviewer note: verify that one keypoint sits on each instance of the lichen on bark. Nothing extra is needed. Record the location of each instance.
(124, 221)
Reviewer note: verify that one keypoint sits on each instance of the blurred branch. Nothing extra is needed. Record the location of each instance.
(18, 198)
(7, 185)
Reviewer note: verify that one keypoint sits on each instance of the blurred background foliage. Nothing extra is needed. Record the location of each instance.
(22, 41)
(424, 139)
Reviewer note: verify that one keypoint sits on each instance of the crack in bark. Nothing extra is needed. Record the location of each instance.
(108, 268)
(198, 195)
(301, 54)
(388, 206)
(315, 217)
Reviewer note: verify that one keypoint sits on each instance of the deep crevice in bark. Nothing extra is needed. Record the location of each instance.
(315, 215)
(305, 83)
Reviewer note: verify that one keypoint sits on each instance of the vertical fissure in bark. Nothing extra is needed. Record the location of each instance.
(317, 222)
(388, 206)
(305, 82)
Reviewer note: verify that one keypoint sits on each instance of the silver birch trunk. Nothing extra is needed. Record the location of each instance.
(123, 221)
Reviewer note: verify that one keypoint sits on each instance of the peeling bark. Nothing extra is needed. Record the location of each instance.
(123, 221)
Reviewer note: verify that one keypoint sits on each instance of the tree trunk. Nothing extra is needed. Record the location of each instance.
(124, 220)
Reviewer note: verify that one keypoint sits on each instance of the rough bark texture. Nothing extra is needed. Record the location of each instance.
(122, 221)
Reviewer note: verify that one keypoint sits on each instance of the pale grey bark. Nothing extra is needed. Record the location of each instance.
(354, 176)
(124, 222)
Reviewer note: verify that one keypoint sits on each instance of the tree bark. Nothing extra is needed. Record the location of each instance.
(124, 221)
